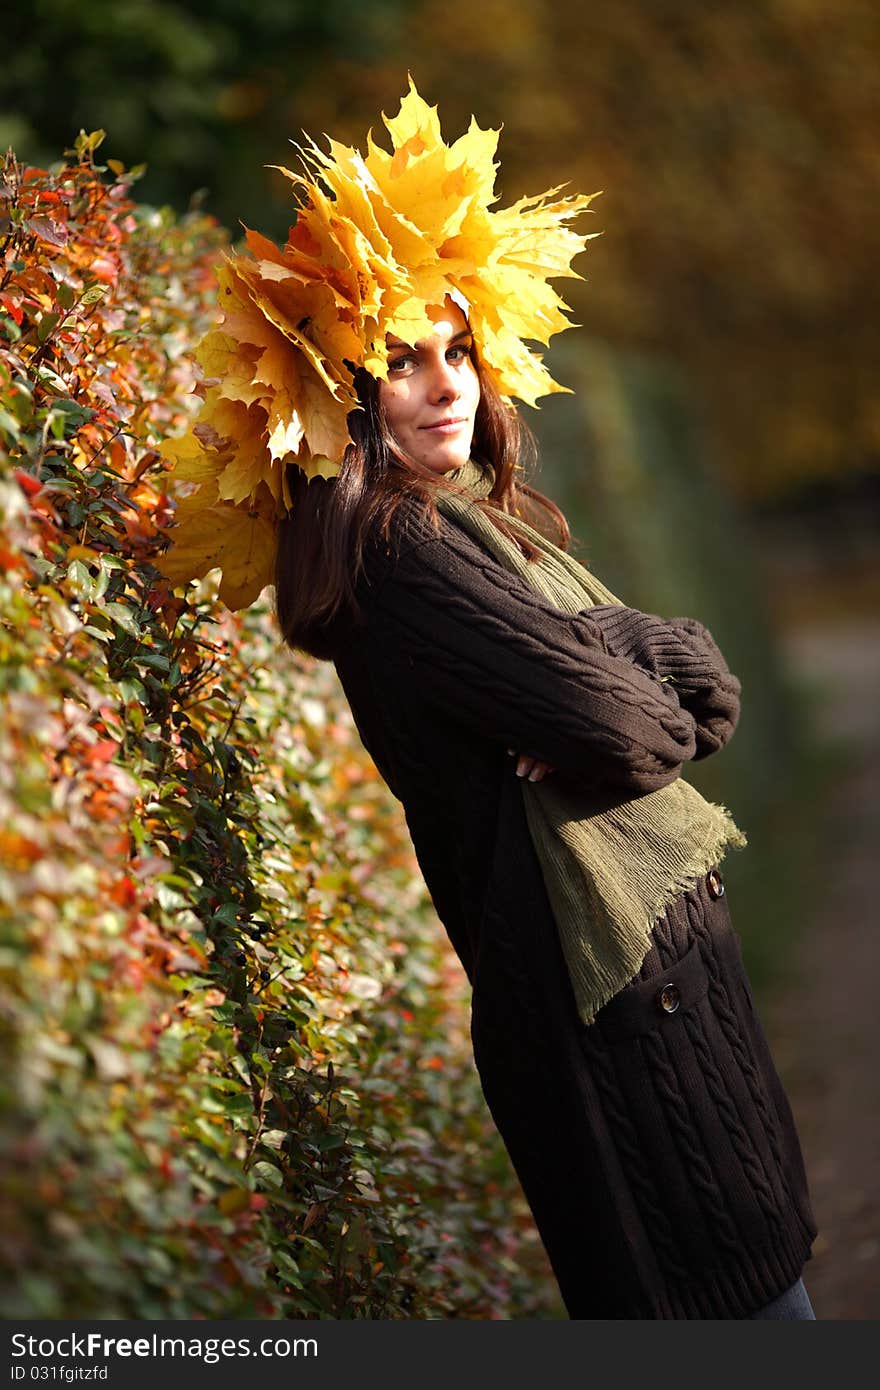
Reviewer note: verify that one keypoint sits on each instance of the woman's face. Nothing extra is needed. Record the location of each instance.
(431, 396)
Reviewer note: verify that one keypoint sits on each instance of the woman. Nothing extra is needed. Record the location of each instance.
(656, 1148)
(534, 728)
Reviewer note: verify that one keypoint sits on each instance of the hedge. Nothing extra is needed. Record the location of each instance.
(237, 1077)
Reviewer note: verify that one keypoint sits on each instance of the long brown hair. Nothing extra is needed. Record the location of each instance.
(321, 540)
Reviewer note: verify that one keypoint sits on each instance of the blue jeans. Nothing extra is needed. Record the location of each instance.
(792, 1306)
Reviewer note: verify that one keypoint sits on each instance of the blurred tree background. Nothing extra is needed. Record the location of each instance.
(721, 454)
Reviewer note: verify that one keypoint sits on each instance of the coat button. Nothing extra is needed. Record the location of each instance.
(715, 883)
(669, 998)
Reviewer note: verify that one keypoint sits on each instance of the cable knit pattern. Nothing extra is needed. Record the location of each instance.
(611, 867)
(657, 1151)
(484, 647)
(684, 652)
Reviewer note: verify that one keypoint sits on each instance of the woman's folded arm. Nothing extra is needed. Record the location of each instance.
(481, 647)
(683, 652)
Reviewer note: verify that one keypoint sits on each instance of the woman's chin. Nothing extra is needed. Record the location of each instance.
(446, 460)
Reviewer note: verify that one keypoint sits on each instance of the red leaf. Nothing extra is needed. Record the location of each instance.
(27, 482)
(102, 752)
(12, 307)
(48, 229)
(104, 269)
(124, 891)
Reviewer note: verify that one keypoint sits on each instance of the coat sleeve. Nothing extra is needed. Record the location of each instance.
(681, 651)
(476, 644)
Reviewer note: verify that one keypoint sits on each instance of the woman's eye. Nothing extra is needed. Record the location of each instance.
(399, 364)
(457, 354)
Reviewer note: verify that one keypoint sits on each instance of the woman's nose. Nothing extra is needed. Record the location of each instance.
(444, 386)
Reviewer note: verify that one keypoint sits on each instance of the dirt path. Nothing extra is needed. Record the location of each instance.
(825, 1027)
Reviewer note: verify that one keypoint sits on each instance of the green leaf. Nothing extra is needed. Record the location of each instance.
(273, 1138)
(87, 144)
(227, 915)
(75, 413)
(9, 426)
(92, 295)
(103, 579)
(156, 660)
(286, 1266)
(100, 634)
(122, 617)
(132, 690)
(48, 322)
(79, 576)
(237, 1105)
(326, 1142)
(226, 1012)
(57, 424)
(267, 1174)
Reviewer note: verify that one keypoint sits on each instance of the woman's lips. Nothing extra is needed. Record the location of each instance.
(445, 426)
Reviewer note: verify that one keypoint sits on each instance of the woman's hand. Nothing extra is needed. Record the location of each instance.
(530, 767)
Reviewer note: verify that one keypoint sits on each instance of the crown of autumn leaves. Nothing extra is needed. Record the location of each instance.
(377, 240)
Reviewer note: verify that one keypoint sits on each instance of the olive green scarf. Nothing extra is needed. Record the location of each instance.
(610, 874)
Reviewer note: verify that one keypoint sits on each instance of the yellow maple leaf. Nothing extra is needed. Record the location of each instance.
(211, 534)
(189, 461)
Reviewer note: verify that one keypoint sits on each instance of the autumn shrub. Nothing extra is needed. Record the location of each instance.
(237, 1078)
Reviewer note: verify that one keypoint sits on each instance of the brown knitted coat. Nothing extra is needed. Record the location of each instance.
(656, 1149)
